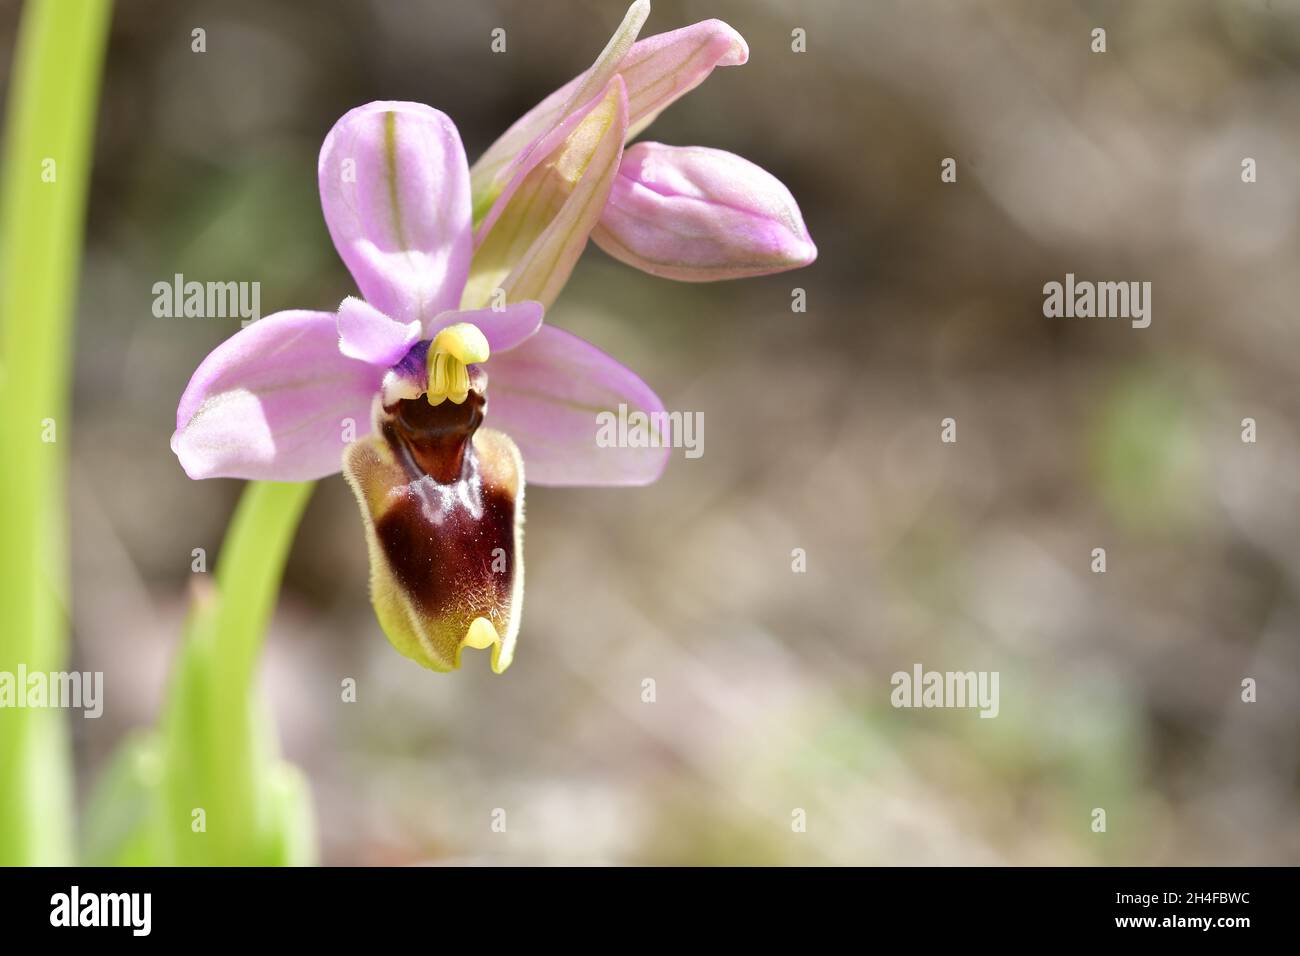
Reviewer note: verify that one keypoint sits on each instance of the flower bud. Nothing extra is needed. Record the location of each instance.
(698, 215)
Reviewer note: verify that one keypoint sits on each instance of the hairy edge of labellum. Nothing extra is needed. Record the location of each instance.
(445, 503)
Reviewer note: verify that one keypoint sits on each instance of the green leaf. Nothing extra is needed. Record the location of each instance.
(43, 182)
(120, 817)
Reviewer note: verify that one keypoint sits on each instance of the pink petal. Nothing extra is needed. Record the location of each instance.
(504, 329)
(547, 395)
(543, 149)
(394, 187)
(657, 71)
(276, 401)
(661, 69)
(519, 145)
(542, 225)
(366, 334)
(698, 215)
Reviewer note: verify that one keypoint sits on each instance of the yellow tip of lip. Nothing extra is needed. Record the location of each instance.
(481, 635)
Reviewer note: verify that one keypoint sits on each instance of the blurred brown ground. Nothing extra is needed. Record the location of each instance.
(821, 432)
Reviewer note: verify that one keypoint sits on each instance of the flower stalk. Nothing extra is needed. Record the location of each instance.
(218, 744)
(207, 787)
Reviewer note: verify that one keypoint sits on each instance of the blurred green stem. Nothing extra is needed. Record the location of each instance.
(43, 183)
(248, 577)
(218, 743)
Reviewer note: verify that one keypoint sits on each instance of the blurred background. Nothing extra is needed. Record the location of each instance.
(1119, 690)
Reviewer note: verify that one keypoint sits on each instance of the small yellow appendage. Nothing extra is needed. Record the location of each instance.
(452, 349)
(481, 634)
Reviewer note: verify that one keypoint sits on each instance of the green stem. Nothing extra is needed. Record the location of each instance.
(43, 184)
(248, 577)
(218, 742)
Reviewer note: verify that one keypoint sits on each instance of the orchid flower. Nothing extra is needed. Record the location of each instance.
(685, 213)
(393, 386)
(393, 389)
